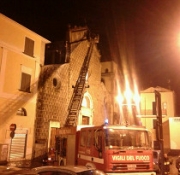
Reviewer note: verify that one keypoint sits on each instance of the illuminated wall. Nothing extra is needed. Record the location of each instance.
(21, 57)
(147, 108)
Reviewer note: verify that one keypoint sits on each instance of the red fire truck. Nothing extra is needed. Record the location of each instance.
(111, 148)
(116, 149)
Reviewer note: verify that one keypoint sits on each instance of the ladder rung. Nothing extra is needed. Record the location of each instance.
(76, 99)
(77, 95)
(72, 114)
(70, 118)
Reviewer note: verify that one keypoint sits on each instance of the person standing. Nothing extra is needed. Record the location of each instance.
(178, 164)
(167, 163)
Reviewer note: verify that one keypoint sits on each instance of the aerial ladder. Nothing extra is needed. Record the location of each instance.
(78, 93)
(66, 136)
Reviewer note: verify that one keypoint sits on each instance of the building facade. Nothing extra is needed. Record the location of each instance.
(148, 107)
(21, 58)
(148, 103)
(56, 85)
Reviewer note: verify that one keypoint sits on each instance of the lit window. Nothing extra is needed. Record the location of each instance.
(86, 102)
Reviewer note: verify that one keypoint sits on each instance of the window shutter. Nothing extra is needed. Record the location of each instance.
(29, 47)
(25, 82)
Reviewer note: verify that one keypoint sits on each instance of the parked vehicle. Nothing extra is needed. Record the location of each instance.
(53, 170)
(66, 170)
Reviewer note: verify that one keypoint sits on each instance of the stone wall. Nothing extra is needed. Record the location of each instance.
(55, 91)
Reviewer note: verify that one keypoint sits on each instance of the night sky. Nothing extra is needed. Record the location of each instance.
(155, 24)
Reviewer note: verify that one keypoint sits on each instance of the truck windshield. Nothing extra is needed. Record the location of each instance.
(126, 138)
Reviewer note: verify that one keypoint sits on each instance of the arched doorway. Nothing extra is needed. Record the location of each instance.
(86, 113)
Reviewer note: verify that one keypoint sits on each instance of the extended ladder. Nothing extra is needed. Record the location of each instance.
(78, 93)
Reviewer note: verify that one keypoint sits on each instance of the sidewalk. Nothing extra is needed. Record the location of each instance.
(11, 167)
(8, 169)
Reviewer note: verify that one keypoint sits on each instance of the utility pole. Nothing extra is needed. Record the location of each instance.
(159, 129)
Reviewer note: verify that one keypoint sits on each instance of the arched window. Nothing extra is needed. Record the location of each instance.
(86, 102)
(21, 112)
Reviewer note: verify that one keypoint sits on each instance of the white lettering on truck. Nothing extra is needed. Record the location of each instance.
(131, 158)
(118, 157)
(143, 158)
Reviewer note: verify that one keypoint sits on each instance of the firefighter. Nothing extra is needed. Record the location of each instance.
(178, 164)
(167, 163)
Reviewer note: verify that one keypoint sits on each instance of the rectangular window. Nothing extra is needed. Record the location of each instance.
(29, 47)
(25, 82)
(85, 120)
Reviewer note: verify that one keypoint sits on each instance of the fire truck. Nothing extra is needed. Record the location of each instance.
(116, 149)
(111, 148)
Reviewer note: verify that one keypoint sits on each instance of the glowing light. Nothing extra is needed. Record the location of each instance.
(128, 93)
(128, 100)
(106, 121)
(120, 99)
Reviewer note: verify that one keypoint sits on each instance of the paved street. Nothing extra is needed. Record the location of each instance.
(6, 170)
(10, 168)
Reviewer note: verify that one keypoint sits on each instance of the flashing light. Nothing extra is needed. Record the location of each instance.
(128, 97)
(106, 121)
(120, 99)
